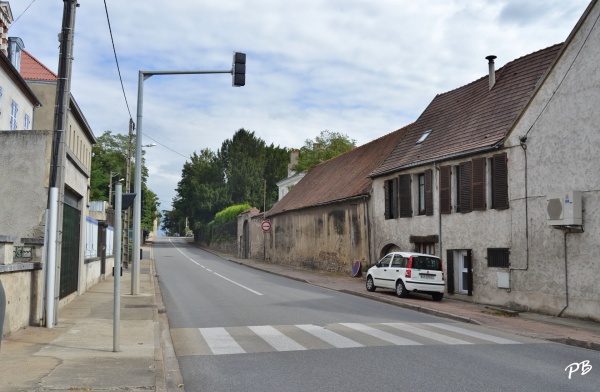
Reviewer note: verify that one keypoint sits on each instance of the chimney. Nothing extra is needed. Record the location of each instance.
(6, 20)
(15, 46)
(491, 59)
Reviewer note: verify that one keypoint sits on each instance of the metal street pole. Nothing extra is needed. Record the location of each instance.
(117, 266)
(137, 203)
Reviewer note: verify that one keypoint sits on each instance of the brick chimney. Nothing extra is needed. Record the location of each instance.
(6, 19)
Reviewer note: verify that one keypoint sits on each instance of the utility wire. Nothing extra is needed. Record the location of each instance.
(116, 59)
(165, 146)
(15, 21)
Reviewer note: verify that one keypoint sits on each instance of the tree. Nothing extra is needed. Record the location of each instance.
(325, 146)
(201, 192)
(109, 156)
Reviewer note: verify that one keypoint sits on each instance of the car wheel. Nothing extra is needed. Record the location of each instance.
(370, 284)
(437, 296)
(401, 290)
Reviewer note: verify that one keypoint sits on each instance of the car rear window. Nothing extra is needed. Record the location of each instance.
(429, 263)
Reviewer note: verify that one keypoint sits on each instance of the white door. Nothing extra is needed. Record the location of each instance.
(463, 272)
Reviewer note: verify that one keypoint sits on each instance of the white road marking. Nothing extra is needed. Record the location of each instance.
(219, 275)
(336, 340)
(220, 341)
(428, 334)
(474, 334)
(388, 337)
(276, 339)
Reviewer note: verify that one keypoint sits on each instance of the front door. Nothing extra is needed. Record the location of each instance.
(465, 272)
(380, 274)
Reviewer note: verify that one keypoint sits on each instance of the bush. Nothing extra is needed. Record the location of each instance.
(230, 214)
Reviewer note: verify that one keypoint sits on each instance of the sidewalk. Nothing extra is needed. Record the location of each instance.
(77, 354)
(575, 332)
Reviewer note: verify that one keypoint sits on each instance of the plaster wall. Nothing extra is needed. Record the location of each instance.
(327, 237)
(563, 151)
(23, 293)
(9, 93)
(25, 156)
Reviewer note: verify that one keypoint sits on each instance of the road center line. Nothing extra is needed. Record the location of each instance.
(236, 283)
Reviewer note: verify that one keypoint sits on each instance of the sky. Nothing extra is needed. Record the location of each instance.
(363, 68)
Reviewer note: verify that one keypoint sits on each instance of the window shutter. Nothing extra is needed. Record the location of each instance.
(479, 184)
(405, 196)
(445, 189)
(450, 271)
(500, 181)
(386, 193)
(394, 198)
(429, 192)
(465, 187)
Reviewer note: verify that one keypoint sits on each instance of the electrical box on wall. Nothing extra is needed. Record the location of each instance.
(564, 208)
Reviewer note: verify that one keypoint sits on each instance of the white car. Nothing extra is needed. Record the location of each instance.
(407, 272)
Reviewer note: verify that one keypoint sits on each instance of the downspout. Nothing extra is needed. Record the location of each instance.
(523, 142)
(368, 230)
(566, 277)
(437, 168)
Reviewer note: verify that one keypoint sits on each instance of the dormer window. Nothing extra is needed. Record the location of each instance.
(423, 137)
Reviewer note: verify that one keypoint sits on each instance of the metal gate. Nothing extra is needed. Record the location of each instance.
(69, 261)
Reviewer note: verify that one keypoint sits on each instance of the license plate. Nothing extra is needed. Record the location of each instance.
(426, 276)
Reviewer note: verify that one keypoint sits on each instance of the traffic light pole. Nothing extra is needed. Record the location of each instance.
(236, 70)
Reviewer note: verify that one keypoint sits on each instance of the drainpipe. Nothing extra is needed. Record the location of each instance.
(368, 230)
(523, 142)
(2, 310)
(566, 277)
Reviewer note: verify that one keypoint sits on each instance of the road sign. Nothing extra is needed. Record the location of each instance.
(265, 226)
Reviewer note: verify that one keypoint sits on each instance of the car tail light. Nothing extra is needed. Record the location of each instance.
(407, 274)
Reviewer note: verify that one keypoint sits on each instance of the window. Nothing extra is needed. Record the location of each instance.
(479, 180)
(422, 194)
(423, 137)
(385, 262)
(427, 248)
(390, 188)
(399, 262)
(405, 196)
(426, 193)
(498, 257)
(14, 109)
(27, 122)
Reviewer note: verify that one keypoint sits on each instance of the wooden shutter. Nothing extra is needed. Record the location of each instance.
(405, 196)
(445, 189)
(386, 197)
(469, 273)
(450, 271)
(465, 187)
(394, 198)
(499, 182)
(429, 192)
(479, 184)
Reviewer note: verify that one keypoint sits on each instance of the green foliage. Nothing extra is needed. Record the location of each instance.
(235, 174)
(109, 159)
(230, 214)
(325, 146)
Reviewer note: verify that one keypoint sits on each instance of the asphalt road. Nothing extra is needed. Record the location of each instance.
(238, 329)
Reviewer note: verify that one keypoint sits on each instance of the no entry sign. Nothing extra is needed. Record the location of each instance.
(265, 226)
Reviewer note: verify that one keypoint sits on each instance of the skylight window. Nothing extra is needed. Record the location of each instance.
(423, 137)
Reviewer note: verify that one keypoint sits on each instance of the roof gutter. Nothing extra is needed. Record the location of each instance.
(440, 159)
(361, 196)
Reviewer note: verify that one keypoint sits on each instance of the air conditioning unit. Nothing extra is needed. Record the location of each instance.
(564, 208)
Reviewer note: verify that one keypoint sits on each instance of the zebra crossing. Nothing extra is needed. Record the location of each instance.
(282, 338)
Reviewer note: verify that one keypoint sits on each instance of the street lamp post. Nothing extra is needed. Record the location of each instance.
(237, 70)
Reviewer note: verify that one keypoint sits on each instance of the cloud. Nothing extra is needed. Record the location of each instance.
(363, 68)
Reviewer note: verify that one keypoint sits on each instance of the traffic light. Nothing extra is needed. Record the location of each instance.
(239, 69)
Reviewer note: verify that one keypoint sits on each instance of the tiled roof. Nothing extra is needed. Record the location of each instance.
(32, 69)
(340, 178)
(471, 117)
